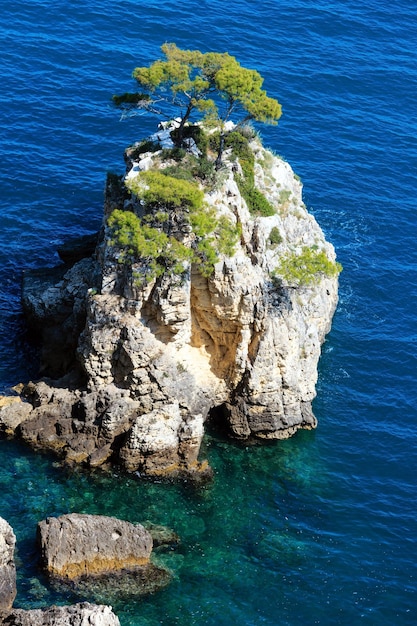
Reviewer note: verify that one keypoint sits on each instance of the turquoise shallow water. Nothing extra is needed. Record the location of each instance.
(320, 529)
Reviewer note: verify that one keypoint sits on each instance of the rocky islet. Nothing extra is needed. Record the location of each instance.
(136, 368)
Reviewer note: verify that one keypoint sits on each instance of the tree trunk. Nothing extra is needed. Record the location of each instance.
(183, 122)
(218, 162)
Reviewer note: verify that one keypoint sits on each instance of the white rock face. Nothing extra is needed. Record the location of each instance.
(155, 439)
(235, 340)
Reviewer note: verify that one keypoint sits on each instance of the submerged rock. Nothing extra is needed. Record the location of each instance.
(155, 358)
(117, 587)
(162, 536)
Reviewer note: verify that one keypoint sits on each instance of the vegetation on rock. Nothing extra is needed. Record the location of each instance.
(305, 268)
(158, 190)
(177, 227)
(275, 237)
(238, 142)
(138, 240)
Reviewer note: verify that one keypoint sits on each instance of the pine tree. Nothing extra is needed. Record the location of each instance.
(211, 86)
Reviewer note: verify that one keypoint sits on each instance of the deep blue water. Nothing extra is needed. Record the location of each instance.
(320, 529)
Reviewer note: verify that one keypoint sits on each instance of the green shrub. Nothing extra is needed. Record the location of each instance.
(176, 154)
(205, 171)
(157, 190)
(206, 256)
(180, 171)
(275, 237)
(196, 132)
(142, 147)
(242, 151)
(193, 169)
(141, 241)
(203, 222)
(135, 238)
(228, 235)
(256, 201)
(306, 268)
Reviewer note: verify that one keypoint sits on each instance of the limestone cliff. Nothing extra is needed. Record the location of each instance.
(160, 356)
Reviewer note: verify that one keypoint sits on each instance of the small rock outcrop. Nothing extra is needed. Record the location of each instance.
(74, 615)
(145, 363)
(77, 545)
(99, 555)
(7, 568)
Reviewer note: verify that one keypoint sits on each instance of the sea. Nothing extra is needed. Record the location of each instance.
(318, 529)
